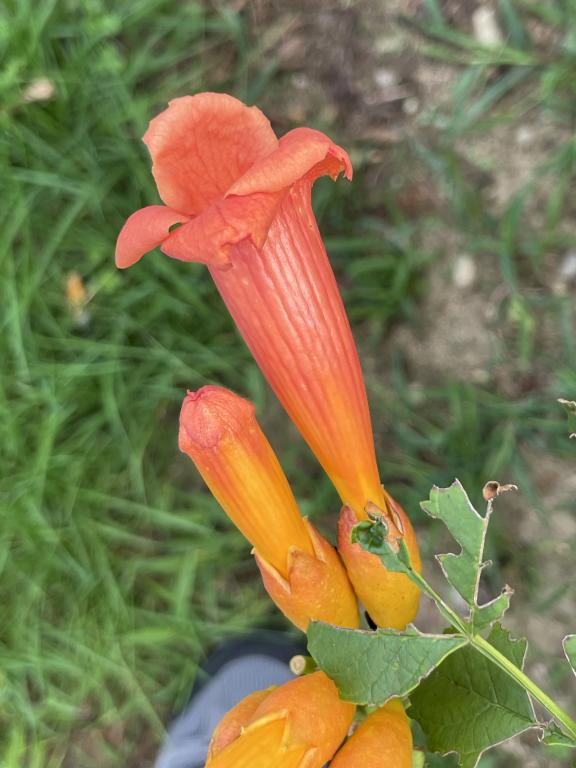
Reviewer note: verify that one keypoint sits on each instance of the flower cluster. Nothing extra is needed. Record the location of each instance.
(238, 199)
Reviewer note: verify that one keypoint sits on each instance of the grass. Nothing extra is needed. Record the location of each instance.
(118, 570)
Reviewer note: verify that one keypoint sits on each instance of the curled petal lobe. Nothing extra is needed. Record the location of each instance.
(201, 144)
(316, 589)
(302, 153)
(144, 230)
(382, 740)
(391, 599)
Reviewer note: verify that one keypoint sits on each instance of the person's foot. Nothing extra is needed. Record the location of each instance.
(235, 670)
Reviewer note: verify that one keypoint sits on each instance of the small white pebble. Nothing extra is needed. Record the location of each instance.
(524, 135)
(485, 27)
(385, 78)
(464, 271)
(568, 267)
(411, 105)
(300, 81)
(41, 89)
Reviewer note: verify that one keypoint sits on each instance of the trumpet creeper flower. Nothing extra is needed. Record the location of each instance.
(238, 199)
(242, 198)
(382, 740)
(301, 571)
(299, 724)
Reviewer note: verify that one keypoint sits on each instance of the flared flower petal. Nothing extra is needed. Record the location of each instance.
(200, 145)
(299, 724)
(316, 587)
(144, 230)
(219, 432)
(390, 598)
(302, 154)
(382, 740)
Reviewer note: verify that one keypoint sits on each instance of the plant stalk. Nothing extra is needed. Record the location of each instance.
(494, 655)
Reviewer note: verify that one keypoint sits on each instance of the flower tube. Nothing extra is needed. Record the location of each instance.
(382, 740)
(301, 571)
(299, 724)
(242, 200)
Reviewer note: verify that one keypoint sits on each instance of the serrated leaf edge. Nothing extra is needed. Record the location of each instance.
(482, 563)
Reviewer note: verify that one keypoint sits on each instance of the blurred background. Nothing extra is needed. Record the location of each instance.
(455, 250)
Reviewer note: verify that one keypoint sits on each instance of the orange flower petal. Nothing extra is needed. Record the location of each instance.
(317, 587)
(209, 237)
(200, 145)
(143, 231)
(390, 598)
(234, 721)
(301, 153)
(382, 740)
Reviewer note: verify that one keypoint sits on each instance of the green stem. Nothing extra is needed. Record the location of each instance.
(537, 693)
(443, 607)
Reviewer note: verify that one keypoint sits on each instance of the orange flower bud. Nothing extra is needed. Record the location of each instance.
(301, 571)
(300, 724)
(382, 740)
(390, 598)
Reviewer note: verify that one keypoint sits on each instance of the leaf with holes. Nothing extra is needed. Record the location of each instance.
(463, 570)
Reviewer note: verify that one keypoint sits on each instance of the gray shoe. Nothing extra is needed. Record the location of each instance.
(229, 675)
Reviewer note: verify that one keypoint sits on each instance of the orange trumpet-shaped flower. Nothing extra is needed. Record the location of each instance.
(300, 724)
(382, 740)
(301, 571)
(242, 199)
(390, 598)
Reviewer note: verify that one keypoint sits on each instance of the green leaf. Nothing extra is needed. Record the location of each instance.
(453, 507)
(441, 761)
(468, 704)
(487, 614)
(569, 645)
(371, 667)
(468, 527)
(554, 737)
